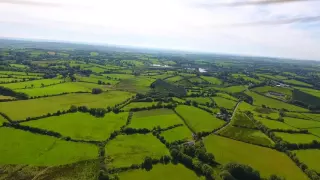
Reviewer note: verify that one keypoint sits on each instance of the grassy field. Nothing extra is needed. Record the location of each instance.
(226, 103)
(246, 78)
(2, 120)
(170, 171)
(20, 147)
(20, 73)
(82, 126)
(200, 100)
(94, 79)
(153, 118)
(6, 80)
(199, 120)
(272, 124)
(297, 138)
(310, 157)
(227, 96)
(315, 131)
(120, 76)
(178, 133)
(174, 79)
(295, 82)
(233, 89)
(265, 160)
(178, 100)
(126, 150)
(6, 97)
(35, 83)
(212, 80)
(68, 87)
(42, 106)
(247, 135)
(21, 66)
(301, 123)
(260, 100)
(138, 105)
(282, 90)
(138, 84)
(241, 119)
(313, 92)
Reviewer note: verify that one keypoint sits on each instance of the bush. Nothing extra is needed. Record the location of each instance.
(96, 91)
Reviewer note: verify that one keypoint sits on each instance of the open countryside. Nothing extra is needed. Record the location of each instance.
(80, 112)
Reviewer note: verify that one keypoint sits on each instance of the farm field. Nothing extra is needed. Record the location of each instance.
(260, 100)
(154, 118)
(82, 126)
(158, 171)
(41, 150)
(126, 150)
(228, 150)
(174, 79)
(6, 97)
(301, 123)
(315, 131)
(176, 134)
(273, 124)
(42, 106)
(199, 120)
(227, 96)
(313, 92)
(212, 80)
(297, 138)
(310, 158)
(226, 103)
(295, 82)
(69, 87)
(282, 90)
(200, 100)
(233, 89)
(32, 84)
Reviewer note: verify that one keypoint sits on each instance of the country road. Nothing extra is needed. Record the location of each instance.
(234, 112)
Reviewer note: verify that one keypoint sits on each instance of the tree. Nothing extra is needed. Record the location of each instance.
(42, 85)
(147, 163)
(242, 172)
(207, 170)
(96, 91)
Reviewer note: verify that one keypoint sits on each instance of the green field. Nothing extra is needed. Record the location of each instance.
(315, 131)
(126, 150)
(178, 133)
(138, 105)
(94, 79)
(154, 118)
(6, 97)
(265, 160)
(233, 89)
(174, 79)
(2, 120)
(297, 138)
(247, 135)
(310, 157)
(200, 100)
(241, 119)
(68, 87)
(246, 78)
(21, 66)
(259, 100)
(35, 83)
(20, 73)
(212, 80)
(226, 103)
(199, 120)
(170, 171)
(137, 85)
(301, 123)
(227, 96)
(82, 126)
(266, 89)
(272, 124)
(20, 147)
(42, 106)
(313, 92)
(295, 82)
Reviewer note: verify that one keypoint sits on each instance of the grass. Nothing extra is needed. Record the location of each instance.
(200, 100)
(246, 78)
(199, 120)
(126, 150)
(42, 106)
(247, 135)
(94, 53)
(6, 80)
(138, 84)
(94, 79)
(20, 147)
(28, 84)
(95, 69)
(140, 105)
(174, 79)
(120, 76)
(82, 126)
(170, 171)
(272, 124)
(301, 123)
(226, 103)
(265, 89)
(2, 120)
(20, 73)
(68, 87)
(315, 131)
(310, 157)
(233, 89)
(242, 119)
(212, 80)
(297, 138)
(260, 100)
(6, 97)
(178, 100)
(315, 117)
(295, 82)
(154, 118)
(313, 92)
(178, 133)
(227, 96)
(265, 160)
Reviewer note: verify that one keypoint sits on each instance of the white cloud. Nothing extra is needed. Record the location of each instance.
(172, 24)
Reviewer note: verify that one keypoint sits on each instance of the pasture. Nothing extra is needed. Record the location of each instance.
(200, 100)
(298, 83)
(154, 118)
(297, 138)
(82, 126)
(315, 131)
(265, 160)
(212, 80)
(233, 89)
(32, 84)
(20, 147)
(301, 123)
(137, 85)
(266, 89)
(176, 134)
(95, 79)
(42, 106)
(198, 120)
(227, 96)
(226, 103)
(273, 124)
(170, 171)
(241, 119)
(69, 87)
(125, 150)
(260, 100)
(313, 92)
(310, 157)
(174, 79)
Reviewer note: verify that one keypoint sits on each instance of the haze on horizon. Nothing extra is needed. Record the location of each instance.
(276, 28)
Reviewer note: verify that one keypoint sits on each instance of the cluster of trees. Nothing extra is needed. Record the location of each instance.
(52, 95)
(244, 97)
(8, 92)
(194, 157)
(98, 112)
(163, 89)
(96, 91)
(158, 106)
(305, 100)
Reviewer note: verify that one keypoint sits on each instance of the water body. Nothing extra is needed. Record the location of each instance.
(202, 70)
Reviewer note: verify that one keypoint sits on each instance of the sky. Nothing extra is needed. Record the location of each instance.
(275, 28)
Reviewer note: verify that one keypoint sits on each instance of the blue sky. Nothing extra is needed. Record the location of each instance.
(220, 26)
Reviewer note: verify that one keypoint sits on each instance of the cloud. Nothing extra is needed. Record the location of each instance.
(29, 3)
(249, 3)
